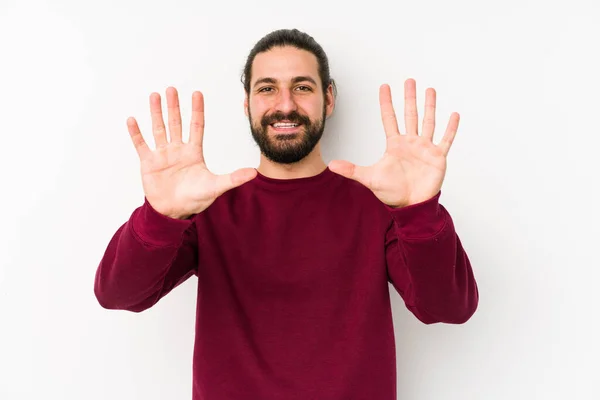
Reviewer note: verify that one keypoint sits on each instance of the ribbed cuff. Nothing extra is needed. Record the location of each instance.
(157, 229)
(420, 221)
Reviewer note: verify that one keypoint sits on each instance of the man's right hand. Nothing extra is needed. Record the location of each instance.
(175, 178)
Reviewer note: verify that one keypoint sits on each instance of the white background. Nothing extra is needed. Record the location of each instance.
(522, 181)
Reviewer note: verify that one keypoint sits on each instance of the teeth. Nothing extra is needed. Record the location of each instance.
(284, 125)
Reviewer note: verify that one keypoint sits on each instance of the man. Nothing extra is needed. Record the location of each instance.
(293, 258)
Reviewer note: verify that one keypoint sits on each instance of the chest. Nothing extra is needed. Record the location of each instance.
(292, 250)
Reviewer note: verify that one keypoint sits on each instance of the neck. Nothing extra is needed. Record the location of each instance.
(310, 165)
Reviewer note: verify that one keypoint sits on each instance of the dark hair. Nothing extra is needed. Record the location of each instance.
(294, 38)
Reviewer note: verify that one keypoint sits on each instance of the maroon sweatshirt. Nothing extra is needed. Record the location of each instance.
(293, 299)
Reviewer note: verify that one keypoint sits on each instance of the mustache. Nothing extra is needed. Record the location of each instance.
(279, 116)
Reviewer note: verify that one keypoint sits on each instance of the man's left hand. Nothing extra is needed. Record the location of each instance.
(412, 168)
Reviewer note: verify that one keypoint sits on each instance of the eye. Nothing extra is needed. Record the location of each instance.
(304, 88)
(264, 89)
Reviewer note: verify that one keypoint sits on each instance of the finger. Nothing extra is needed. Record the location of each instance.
(197, 124)
(174, 115)
(450, 134)
(351, 171)
(429, 118)
(237, 178)
(158, 125)
(388, 115)
(138, 140)
(411, 116)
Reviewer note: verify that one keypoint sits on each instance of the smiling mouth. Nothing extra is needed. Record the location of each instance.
(284, 127)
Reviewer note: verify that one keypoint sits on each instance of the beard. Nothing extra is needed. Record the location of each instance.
(287, 148)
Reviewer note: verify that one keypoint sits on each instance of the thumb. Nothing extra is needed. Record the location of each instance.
(350, 170)
(237, 178)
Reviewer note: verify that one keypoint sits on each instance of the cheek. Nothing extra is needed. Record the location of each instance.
(258, 107)
(314, 109)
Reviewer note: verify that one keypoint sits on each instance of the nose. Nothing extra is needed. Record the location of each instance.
(285, 101)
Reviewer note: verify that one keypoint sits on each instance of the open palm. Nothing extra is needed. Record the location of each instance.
(412, 168)
(175, 178)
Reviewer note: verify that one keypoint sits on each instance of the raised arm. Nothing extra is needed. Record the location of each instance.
(147, 257)
(156, 249)
(428, 265)
(425, 259)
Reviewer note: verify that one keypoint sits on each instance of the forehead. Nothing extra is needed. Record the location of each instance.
(284, 63)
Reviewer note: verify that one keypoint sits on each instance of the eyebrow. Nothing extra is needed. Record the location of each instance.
(295, 79)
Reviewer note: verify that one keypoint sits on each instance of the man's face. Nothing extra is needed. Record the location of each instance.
(285, 106)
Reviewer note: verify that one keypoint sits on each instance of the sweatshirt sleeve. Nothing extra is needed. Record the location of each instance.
(147, 257)
(427, 264)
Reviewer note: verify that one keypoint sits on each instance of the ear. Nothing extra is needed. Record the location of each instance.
(246, 104)
(329, 100)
